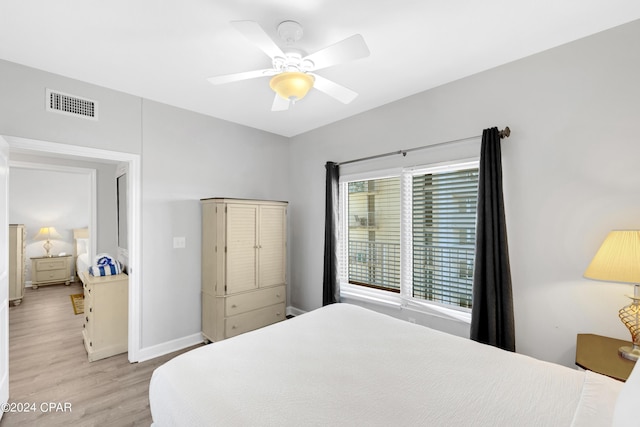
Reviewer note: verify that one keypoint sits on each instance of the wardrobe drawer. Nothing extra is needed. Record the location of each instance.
(246, 322)
(242, 303)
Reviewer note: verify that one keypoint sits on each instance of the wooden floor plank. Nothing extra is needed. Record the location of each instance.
(48, 363)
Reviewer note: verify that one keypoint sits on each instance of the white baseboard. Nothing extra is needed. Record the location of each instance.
(158, 350)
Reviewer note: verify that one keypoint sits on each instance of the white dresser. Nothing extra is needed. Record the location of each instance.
(244, 254)
(106, 314)
(16, 263)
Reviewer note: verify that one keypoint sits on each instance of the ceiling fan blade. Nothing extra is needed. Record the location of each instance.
(228, 78)
(254, 32)
(351, 48)
(280, 104)
(334, 90)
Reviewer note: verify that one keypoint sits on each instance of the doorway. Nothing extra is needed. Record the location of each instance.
(133, 197)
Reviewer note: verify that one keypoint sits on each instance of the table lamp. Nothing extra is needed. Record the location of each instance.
(47, 233)
(618, 260)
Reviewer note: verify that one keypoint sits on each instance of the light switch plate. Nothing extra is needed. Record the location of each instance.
(179, 242)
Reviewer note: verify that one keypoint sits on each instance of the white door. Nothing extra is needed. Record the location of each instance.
(4, 274)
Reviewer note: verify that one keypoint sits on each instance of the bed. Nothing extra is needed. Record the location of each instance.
(343, 365)
(81, 250)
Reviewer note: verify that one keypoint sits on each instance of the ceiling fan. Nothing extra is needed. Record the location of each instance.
(292, 71)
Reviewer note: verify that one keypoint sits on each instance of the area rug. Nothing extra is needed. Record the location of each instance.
(77, 300)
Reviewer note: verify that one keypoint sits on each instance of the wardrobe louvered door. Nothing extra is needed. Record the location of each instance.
(243, 265)
(241, 248)
(272, 245)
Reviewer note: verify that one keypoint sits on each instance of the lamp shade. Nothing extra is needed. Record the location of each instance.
(292, 85)
(618, 259)
(47, 233)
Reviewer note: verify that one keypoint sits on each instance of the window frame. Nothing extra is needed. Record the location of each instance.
(405, 298)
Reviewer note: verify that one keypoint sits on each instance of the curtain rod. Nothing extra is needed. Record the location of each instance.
(503, 134)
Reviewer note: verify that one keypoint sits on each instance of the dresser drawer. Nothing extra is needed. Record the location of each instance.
(246, 322)
(49, 275)
(50, 264)
(88, 299)
(241, 303)
(88, 315)
(88, 322)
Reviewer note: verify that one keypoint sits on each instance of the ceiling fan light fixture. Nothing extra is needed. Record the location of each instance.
(292, 85)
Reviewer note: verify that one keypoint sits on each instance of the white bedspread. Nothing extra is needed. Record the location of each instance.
(343, 365)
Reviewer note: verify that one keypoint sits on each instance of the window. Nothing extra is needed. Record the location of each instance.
(412, 233)
(374, 233)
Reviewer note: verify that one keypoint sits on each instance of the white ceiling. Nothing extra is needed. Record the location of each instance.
(164, 50)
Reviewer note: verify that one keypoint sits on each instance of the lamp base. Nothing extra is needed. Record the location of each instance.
(628, 352)
(47, 247)
(630, 316)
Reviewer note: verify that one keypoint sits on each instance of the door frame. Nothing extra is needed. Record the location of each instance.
(133, 161)
(4, 275)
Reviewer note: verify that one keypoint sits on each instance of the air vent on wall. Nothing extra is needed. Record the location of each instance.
(71, 105)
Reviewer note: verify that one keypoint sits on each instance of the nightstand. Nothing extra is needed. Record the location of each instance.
(600, 354)
(50, 270)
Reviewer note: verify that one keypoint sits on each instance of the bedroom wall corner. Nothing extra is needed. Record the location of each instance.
(188, 157)
(63, 203)
(570, 176)
(105, 197)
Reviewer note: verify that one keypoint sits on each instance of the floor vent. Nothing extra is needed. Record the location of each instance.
(71, 105)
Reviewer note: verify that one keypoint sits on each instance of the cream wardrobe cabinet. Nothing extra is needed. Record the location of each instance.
(244, 247)
(16, 263)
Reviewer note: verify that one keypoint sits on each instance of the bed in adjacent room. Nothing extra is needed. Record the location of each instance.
(346, 365)
(81, 250)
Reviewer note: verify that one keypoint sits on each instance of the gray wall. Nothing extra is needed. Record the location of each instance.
(570, 176)
(23, 114)
(187, 157)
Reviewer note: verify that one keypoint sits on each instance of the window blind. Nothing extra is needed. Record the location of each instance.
(443, 234)
(374, 233)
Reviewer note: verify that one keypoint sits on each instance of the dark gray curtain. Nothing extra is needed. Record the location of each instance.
(492, 313)
(331, 282)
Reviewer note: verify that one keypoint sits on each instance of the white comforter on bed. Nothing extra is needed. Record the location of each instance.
(82, 264)
(345, 365)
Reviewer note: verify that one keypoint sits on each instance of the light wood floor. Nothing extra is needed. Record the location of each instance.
(48, 363)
